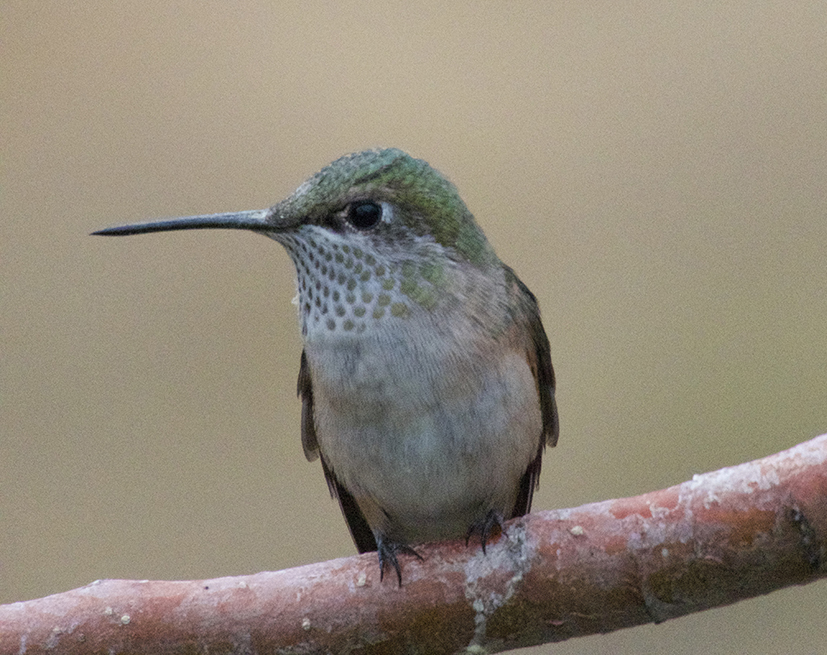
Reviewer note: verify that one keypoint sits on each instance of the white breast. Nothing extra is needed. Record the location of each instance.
(428, 434)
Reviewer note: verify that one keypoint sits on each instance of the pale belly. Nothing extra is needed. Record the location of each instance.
(427, 445)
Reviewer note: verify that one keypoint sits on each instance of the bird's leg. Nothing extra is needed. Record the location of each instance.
(388, 550)
(492, 523)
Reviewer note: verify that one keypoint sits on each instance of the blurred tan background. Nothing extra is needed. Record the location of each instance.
(656, 173)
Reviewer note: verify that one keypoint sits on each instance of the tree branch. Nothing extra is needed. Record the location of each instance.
(716, 539)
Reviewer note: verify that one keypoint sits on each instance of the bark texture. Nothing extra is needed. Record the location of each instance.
(721, 537)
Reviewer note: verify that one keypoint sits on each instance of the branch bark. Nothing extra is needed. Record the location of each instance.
(721, 537)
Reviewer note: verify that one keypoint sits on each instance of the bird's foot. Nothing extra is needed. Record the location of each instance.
(388, 550)
(486, 527)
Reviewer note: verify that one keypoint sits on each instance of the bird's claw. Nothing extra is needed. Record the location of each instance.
(388, 550)
(492, 522)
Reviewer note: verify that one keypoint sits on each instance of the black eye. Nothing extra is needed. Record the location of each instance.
(364, 215)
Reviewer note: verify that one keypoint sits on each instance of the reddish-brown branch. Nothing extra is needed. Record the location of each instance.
(714, 540)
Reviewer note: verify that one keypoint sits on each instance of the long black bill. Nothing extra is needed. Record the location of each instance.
(250, 220)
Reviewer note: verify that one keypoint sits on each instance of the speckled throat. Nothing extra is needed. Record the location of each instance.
(345, 289)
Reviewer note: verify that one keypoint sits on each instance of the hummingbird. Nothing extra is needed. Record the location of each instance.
(425, 378)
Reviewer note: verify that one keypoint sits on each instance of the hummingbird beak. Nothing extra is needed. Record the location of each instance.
(255, 220)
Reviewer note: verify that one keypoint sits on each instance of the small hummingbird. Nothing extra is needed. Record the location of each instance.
(426, 380)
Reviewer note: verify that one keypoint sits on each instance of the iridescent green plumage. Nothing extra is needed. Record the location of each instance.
(429, 204)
